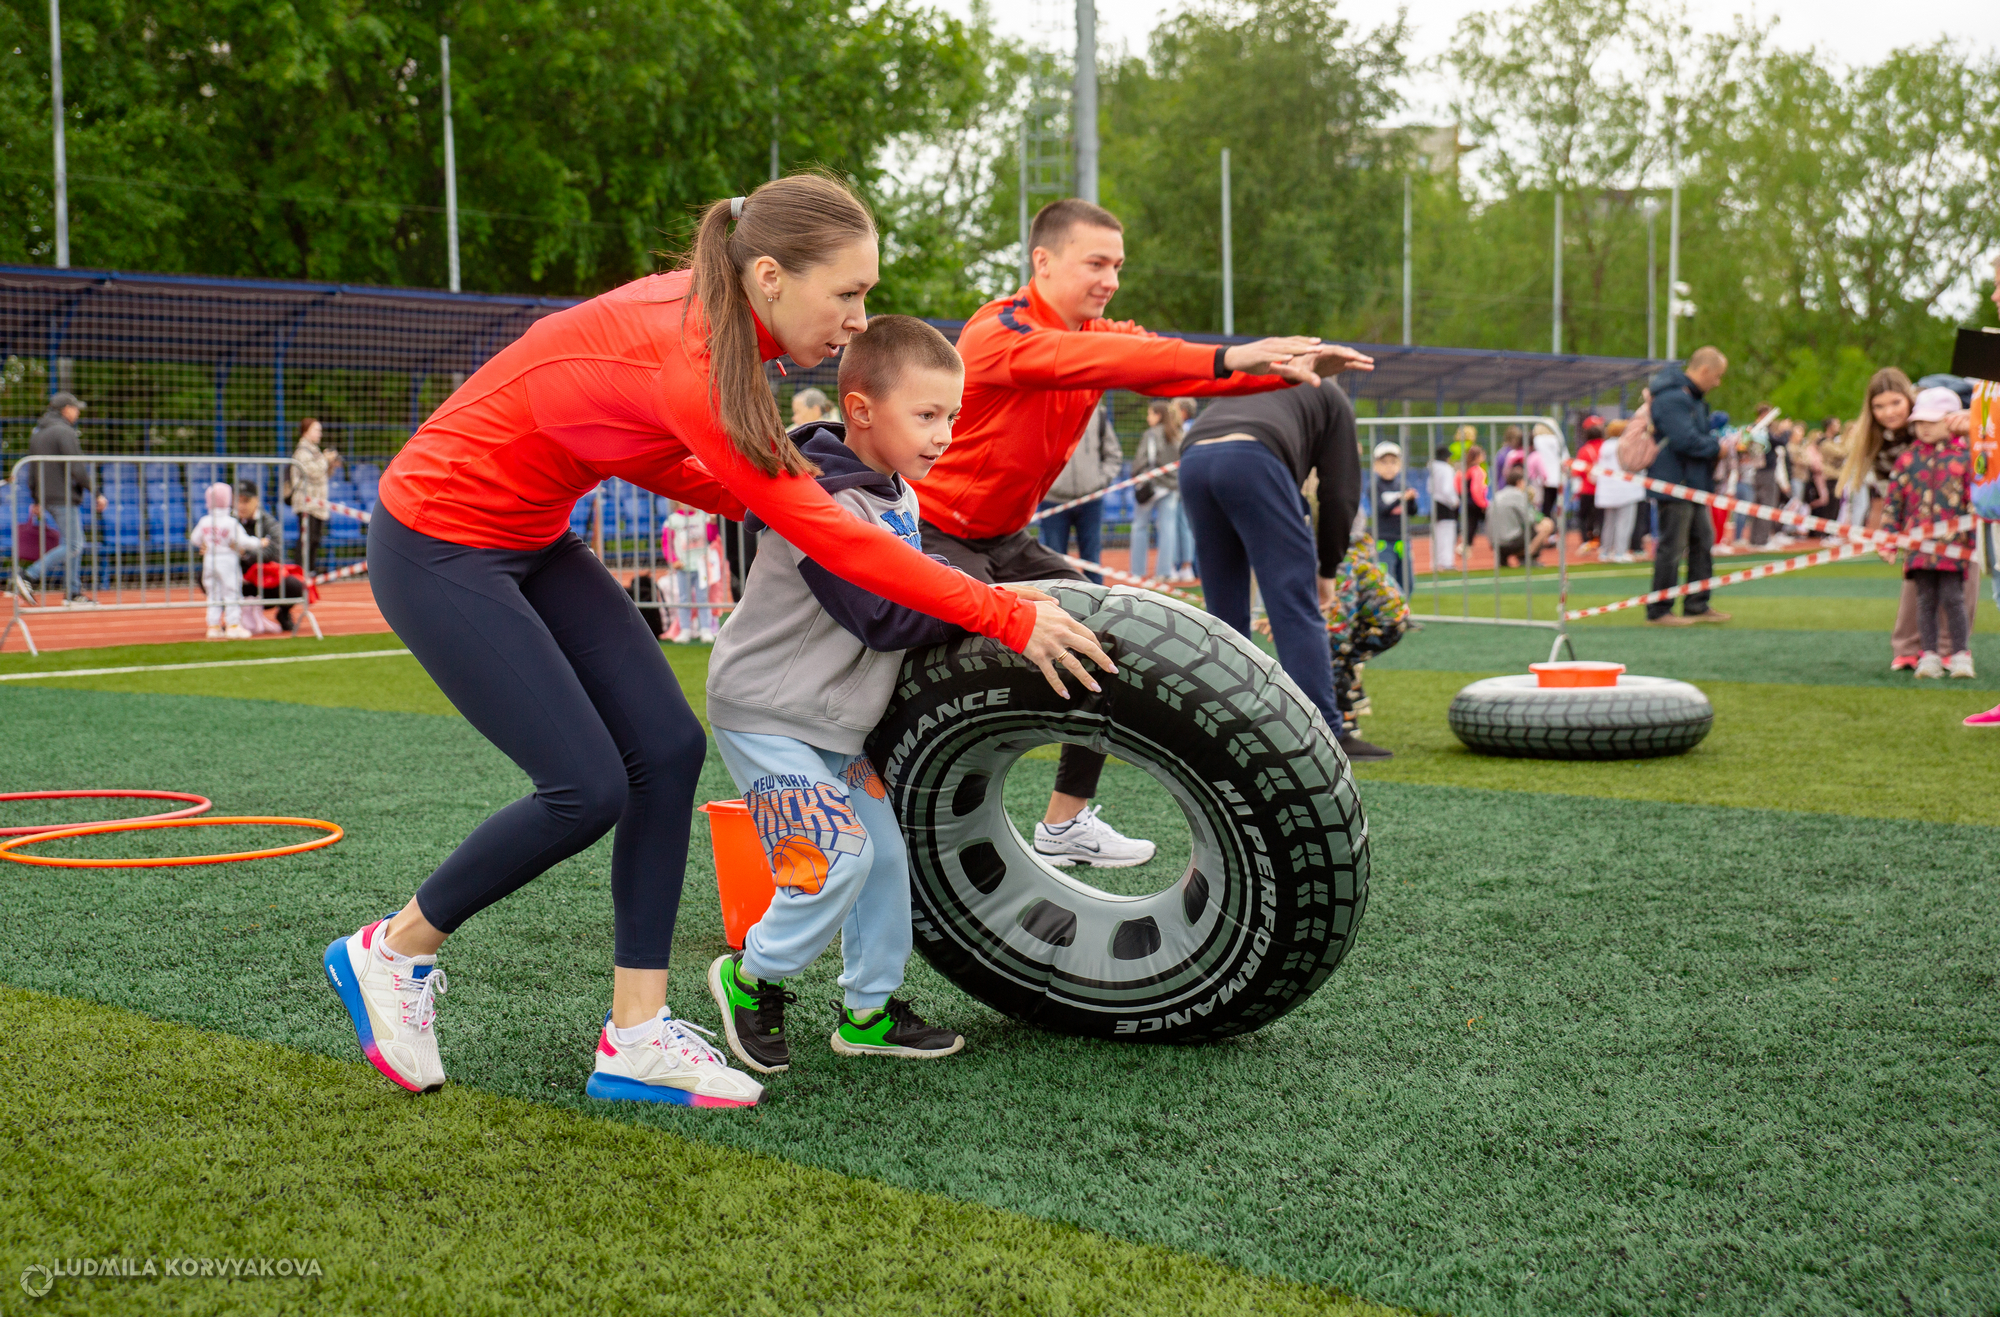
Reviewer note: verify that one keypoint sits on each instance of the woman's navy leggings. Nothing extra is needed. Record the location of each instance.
(544, 653)
(1247, 516)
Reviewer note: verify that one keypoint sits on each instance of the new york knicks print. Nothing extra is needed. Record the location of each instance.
(803, 825)
(860, 775)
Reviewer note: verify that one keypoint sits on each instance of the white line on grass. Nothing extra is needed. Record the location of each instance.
(220, 663)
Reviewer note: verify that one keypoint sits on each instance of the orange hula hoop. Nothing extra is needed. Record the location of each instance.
(197, 805)
(9, 848)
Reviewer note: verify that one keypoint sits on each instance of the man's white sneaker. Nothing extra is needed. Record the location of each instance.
(1088, 839)
(392, 1001)
(671, 1063)
(1961, 664)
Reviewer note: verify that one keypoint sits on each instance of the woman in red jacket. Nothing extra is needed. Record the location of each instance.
(661, 383)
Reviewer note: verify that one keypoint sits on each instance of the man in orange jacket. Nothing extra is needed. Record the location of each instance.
(1036, 366)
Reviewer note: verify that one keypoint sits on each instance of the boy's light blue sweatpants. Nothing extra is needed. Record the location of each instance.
(838, 856)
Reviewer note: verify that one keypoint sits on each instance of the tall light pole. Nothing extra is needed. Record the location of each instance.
(1026, 270)
(1228, 271)
(450, 168)
(1083, 104)
(1674, 260)
(774, 132)
(1406, 260)
(1556, 312)
(1651, 208)
(62, 167)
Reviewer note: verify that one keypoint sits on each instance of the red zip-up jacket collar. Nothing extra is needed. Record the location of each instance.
(1031, 385)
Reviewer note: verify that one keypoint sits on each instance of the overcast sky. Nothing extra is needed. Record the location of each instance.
(1849, 30)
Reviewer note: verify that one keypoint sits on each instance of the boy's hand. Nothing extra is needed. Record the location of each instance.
(1028, 592)
(1057, 634)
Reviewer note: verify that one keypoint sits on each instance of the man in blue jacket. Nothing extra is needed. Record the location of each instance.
(1688, 450)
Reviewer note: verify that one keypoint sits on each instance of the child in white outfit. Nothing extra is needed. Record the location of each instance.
(221, 539)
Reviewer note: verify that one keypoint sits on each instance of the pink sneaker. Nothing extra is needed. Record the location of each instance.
(1991, 718)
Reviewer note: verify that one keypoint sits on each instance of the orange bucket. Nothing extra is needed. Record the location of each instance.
(1576, 672)
(742, 872)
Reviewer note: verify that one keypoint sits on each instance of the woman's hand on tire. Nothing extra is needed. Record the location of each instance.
(1057, 640)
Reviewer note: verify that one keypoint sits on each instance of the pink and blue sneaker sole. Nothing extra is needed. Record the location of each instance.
(618, 1088)
(340, 973)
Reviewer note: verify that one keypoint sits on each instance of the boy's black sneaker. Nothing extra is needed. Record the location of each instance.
(894, 1030)
(753, 1015)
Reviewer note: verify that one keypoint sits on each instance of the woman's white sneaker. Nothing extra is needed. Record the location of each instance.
(392, 1002)
(1088, 839)
(671, 1062)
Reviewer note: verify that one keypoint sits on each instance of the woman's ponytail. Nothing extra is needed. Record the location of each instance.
(799, 222)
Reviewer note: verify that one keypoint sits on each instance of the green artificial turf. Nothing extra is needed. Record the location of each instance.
(1588, 1055)
(1699, 654)
(131, 1139)
(1841, 750)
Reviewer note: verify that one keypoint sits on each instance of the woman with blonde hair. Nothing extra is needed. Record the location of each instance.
(1877, 437)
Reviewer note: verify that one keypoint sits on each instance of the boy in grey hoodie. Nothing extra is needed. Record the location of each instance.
(801, 674)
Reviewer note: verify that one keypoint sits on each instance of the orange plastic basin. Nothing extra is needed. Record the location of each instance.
(742, 872)
(1576, 672)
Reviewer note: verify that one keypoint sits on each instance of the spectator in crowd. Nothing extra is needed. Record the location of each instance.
(1547, 469)
(1583, 466)
(59, 491)
(1513, 449)
(223, 542)
(1748, 451)
(1444, 511)
(1157, 502)
(1093, 465)
(1931, 483)
(1516, 525)
(312, 467)
(1617, 500)
(1188, 568)
(1688, 447)
(1813, 482)
(1473, 494)
(1389, 499)
(270, 536)
(685, 548)
(1876, 439)
(809, 405)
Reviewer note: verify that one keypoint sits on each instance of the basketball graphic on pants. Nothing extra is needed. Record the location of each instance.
(804, 826)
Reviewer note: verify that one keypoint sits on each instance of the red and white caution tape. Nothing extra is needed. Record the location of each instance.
(341, 574)
(1152, 583)
(339, 510)
(1817, 558)
(1919, 538)
(1107, 490)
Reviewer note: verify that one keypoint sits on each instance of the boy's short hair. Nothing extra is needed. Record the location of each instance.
(874, 360)
(1517, 474)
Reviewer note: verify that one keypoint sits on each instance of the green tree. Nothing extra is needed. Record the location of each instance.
(1298, 96)
(304, 139)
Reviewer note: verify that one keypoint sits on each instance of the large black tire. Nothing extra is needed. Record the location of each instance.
(1639, 718)
(1279, 876)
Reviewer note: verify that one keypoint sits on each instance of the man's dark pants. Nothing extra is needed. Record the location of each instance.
(1021, 557)
(1087, 521)
(1685, 529)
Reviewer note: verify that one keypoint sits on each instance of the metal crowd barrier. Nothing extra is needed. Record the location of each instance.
(626, 527)
(133, 552)
(1424, 437)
